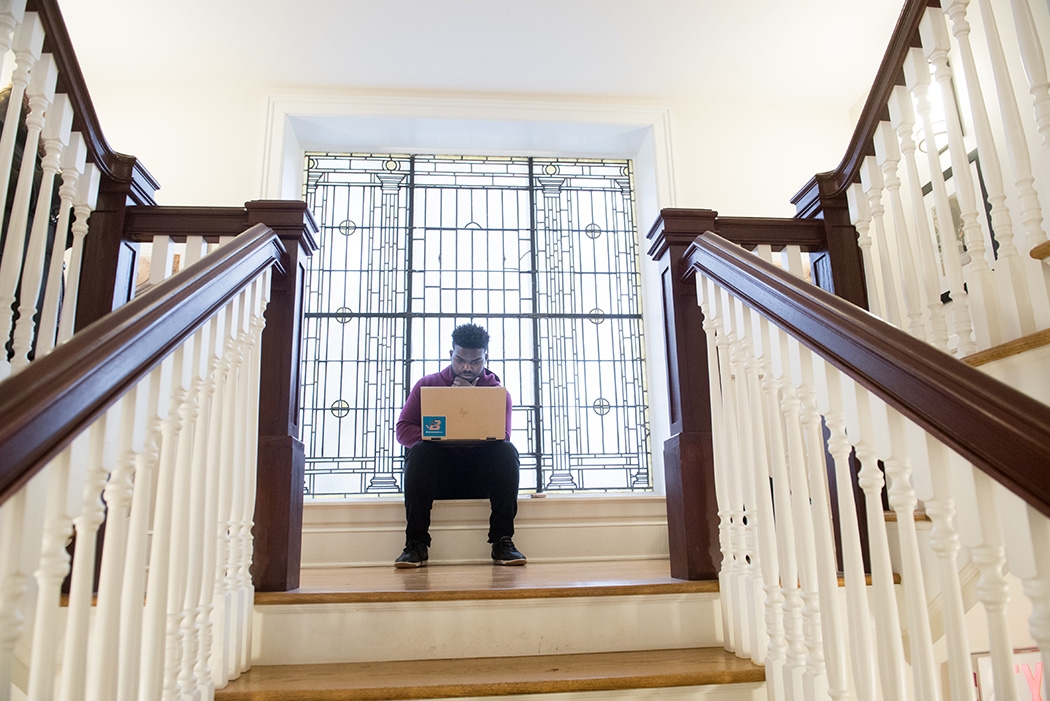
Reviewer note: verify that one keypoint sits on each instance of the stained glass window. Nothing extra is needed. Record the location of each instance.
(542, 252)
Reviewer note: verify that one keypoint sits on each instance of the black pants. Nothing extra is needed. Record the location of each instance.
(474, 471)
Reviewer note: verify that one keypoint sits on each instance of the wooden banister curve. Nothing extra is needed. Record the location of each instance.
(43, 407)
(1001, 431)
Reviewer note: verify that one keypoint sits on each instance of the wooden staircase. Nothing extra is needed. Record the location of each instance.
(612, 628)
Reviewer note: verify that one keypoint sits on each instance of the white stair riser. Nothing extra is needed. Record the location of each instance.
(555, 529)
(322, 633)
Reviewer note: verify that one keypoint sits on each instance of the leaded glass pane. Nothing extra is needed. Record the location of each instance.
(543, 252)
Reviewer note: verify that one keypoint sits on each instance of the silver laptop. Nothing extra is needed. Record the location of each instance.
(464, 413)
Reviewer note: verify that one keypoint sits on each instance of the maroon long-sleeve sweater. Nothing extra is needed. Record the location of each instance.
(410, 422)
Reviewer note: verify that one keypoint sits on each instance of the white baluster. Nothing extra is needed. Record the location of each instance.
(787, 524)
(737, 537)
(890, 429)
(1037, 588)
(235, 592)
(824, 540)
(101, 460)
(55, 137)
(203, 387)
(744, 436)
(815, 682)
(982, 533)
(261, 296)
(1016, 305)
(917, 76)
(1034, 66)
(178, 618)
(13, 583)
(773, 634)
(73, 161)
(872, 184)
(11, 14)
(984, 295)
(83, 205)
(27, 42)
(223, 613)
(789, 655)
(933, 487)
(133, 587)
(1028, 555)
(756, 478)
(41, 92)
(105, 637)
(718, 433)
(152, 668)
(859, 429)
(54, 565)
(888, 155)
(862, 657)
(203, 669)
(1017, 150)
(902, 117)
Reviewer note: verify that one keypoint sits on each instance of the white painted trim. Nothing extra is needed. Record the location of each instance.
(547, 126)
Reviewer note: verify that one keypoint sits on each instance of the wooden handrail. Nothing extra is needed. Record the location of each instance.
(890, 74)
(46, 405)
(1001, 431)
(116, 167)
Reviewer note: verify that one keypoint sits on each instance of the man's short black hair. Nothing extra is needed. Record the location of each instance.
(470, 336)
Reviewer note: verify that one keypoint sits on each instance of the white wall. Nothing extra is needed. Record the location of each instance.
(743, 159)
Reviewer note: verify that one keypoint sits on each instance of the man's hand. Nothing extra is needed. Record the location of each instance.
(460, 382)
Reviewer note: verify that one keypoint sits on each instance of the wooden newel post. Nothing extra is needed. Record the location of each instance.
(281, 465)
(111, 259)
(692, 510)
(840, 269)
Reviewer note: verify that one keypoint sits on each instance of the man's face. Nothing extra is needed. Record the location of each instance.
(467, 363)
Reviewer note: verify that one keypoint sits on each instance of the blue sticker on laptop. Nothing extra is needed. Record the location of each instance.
(433, 426)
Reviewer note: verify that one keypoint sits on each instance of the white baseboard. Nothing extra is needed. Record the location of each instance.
(551, 529)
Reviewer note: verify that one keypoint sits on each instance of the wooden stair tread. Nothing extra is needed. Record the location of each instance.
(484, 581)
(492, 676)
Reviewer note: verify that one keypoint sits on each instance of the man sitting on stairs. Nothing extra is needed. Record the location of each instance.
(434, 469)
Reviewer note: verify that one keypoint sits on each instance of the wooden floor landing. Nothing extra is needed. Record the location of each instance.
(484, 581)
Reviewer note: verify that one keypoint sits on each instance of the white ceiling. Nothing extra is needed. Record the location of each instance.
(768, 51)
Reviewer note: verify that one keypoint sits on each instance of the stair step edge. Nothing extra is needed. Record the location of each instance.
(300, 597)
(493, 676)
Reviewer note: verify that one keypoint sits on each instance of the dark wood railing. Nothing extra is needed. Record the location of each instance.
(1002, 431)
(56, 397)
